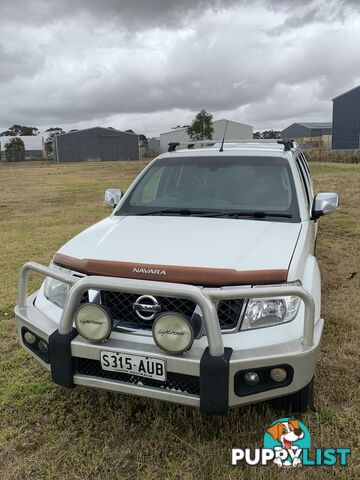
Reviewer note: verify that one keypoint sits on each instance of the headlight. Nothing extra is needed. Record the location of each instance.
(54, 290)
(93, 322)
(173, 333)
(265, 312)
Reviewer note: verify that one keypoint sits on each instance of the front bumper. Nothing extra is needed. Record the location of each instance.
(212, 371)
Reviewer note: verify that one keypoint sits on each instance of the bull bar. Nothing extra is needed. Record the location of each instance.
(204, 297)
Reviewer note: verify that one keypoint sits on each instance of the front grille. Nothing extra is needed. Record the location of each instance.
(229, 312)
(120, 307)
(174, 381)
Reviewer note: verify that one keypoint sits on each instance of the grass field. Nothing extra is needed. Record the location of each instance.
(47, 432)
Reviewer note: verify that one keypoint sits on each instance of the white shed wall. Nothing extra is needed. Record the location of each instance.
(235, 130)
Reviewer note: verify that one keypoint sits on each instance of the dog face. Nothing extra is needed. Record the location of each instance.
(286, 432)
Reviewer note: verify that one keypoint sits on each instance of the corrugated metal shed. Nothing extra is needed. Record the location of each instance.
(235, 130)
(307, 129)
(96, 144)
(317, 125)
(346, 120)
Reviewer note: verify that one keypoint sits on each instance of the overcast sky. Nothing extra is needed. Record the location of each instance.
(152, 64)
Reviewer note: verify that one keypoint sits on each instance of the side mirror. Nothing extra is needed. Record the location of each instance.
(324, 203)
(112, 197)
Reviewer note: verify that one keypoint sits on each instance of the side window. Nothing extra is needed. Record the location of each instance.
(308, 176)
(305, 163)
(148, 189)
(304, 169)
(303, 180)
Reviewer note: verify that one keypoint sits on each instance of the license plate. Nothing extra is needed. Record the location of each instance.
(147, 367)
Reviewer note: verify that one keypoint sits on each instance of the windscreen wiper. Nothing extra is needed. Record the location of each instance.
(179, 211)
(254, 214)
(186, 212)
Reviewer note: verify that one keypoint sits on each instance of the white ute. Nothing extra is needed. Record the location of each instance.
(201, 288)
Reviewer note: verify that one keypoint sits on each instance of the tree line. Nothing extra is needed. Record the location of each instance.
(15, 147)
(201, 128)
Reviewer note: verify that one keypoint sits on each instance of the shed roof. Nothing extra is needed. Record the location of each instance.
(110, 130)
(214, 122)
(347, 91)
(315, 124)
(31, 142)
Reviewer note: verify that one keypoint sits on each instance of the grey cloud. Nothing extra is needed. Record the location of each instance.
(300, 13)
(127, 13)
(100, 60)
(199, 76)
(290, 6)
(305, 17)
(16, 64)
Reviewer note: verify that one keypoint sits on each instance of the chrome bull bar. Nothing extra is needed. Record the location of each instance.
(204, 297)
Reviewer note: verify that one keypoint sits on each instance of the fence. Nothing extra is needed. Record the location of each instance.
(13, 157)
(339, 156)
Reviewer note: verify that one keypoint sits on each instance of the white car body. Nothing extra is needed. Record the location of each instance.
(152, 247)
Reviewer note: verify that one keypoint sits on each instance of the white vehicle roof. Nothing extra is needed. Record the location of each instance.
(231, 148)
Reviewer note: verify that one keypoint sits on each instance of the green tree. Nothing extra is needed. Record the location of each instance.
(143, 141)
(15, 150)
(267, 134)
(271, 134)
(19, 130)
(53, 131)
(201, 127)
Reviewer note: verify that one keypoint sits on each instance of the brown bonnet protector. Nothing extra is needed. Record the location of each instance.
(215, 277)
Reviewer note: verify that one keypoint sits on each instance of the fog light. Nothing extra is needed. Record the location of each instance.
(43, 346)
(173, 333)
(29, 338)
(251, 378)
(93, 322)
(278, 374)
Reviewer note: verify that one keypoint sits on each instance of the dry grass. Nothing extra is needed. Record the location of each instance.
(341, 156)
(49, 432)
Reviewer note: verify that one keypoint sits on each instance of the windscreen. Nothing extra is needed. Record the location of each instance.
(215, 184)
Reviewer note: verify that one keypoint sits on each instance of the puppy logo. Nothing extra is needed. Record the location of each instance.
(287, 437)
(287, 444)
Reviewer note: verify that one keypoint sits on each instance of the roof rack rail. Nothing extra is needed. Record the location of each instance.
(172, 146)
(191, 144)
(288, 144)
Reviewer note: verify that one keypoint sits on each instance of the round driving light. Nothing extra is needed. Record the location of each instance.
(29, 338)
(43, 346)
(251, 378)
(93, 322)
(173, 333)
(278, 374)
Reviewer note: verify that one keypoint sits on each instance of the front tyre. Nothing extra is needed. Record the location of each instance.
(300, 401)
